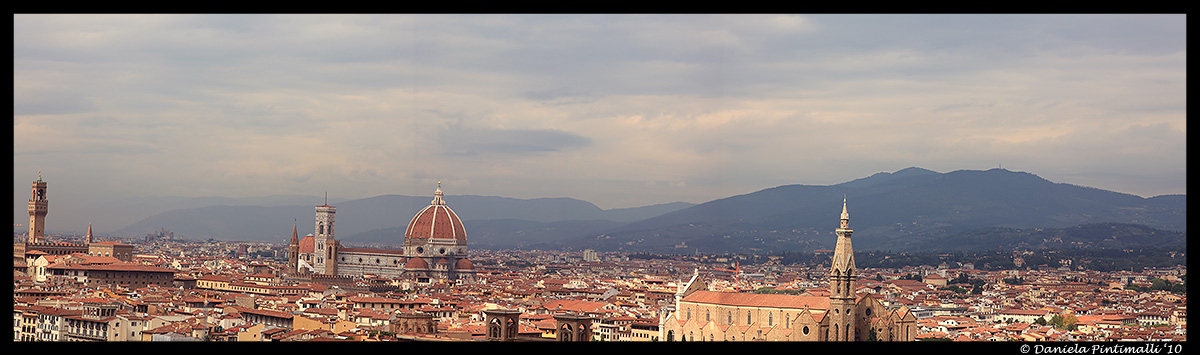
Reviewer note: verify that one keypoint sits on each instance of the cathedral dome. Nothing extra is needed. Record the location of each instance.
(416, 263)
(464, 264)
(437, 221)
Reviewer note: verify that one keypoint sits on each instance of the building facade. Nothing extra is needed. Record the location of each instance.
(703, 315)
(28, 254)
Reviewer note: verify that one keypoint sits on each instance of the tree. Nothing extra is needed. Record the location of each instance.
(1065, 322)
(1056, 321)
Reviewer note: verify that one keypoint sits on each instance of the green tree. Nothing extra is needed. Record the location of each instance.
(1056, 321)
(1069, 322)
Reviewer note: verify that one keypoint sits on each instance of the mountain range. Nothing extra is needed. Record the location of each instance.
(910, 209)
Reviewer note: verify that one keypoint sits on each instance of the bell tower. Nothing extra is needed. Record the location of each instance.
(324, 246)
(38, 206)
(842, 282)
(293, 251)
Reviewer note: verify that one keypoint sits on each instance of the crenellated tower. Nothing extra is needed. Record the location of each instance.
(842, 282)
(38, 207)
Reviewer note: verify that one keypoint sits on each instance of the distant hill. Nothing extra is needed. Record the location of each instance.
(908, 210)
(503, 233)
(1085, 236)
(898, 211)
(368, 215)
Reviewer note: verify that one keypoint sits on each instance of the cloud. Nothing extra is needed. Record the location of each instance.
(589, 106)
(458, 140)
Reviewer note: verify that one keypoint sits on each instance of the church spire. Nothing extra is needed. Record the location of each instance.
(843, 253)
(845, 215)
(89, 234)
(842, 283)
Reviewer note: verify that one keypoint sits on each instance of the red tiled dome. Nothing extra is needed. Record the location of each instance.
(416, 263)
(464, 264)
(436, 221)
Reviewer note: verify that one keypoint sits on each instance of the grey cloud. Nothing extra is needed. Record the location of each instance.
(458, 140)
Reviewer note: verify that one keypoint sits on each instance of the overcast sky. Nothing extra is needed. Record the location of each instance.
(618, 110)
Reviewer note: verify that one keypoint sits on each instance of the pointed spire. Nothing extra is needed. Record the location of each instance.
(845, 215)
(89, 234)
(295, 237)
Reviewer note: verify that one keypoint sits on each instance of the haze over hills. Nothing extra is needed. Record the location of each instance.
(900, 211)
(904, 210)
(226, 222)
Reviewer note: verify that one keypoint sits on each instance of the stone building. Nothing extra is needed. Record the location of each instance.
(26, 254)
(434, 249)
(703, 315)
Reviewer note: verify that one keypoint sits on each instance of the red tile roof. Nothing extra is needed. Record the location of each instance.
(755, 299)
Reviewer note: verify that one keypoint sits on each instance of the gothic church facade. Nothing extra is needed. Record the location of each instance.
(843, 315)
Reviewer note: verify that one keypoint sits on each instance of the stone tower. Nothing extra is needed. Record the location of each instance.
(38, 206)
(324, 246)
(293, 251)
(842, 276)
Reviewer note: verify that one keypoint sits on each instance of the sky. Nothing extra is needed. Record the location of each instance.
(617, 110)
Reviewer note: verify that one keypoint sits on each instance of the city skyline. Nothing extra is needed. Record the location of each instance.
(617, 110)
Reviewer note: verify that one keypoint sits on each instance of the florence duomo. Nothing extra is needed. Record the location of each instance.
(434, 249)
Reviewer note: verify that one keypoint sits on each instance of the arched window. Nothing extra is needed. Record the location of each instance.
(749, 320)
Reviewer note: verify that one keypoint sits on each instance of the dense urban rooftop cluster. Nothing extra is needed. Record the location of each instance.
(223, 291)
